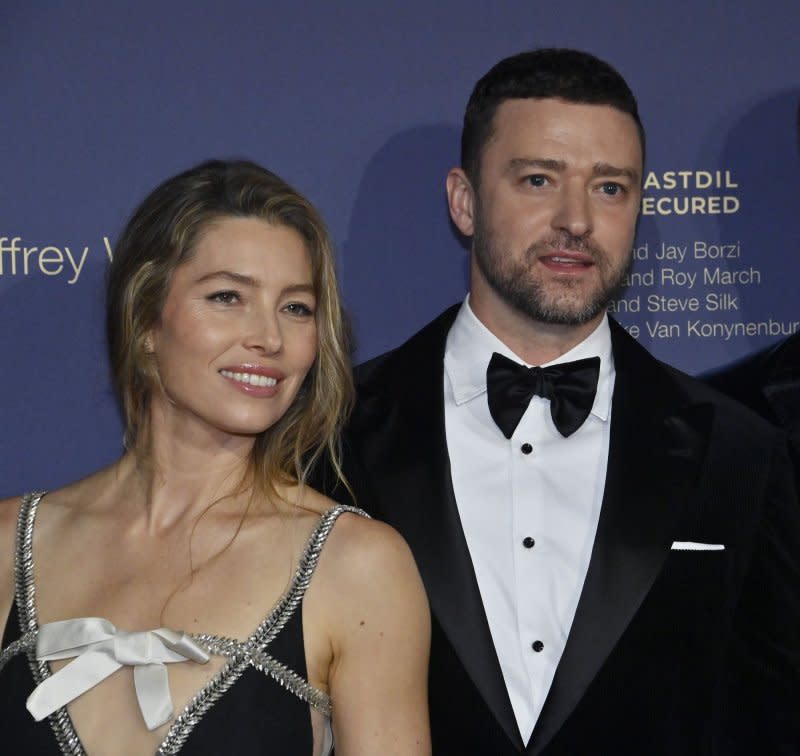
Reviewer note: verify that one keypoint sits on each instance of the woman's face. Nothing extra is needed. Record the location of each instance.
(237, 334)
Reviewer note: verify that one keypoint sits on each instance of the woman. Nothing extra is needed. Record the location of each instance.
(147, 612)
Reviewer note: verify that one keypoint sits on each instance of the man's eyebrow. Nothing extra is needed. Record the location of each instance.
(606, 170)
(601, 170)
(531, 162)
(229, 275)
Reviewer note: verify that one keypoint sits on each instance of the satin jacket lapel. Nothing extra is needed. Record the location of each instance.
(408, 455)
(658, 443)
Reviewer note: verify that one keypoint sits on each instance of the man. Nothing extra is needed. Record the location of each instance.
(611, 562)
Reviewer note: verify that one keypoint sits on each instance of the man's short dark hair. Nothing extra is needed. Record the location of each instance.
(569, 75)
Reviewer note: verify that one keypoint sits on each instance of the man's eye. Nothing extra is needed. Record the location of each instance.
(224, 297)
(612, 188)
(536, 180)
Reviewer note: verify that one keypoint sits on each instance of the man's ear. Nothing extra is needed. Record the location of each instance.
(461, 201)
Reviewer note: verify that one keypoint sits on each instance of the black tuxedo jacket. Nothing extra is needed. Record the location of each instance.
(769, 383)
(670, 652)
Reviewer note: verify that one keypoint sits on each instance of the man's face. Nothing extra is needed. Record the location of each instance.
(554, 216)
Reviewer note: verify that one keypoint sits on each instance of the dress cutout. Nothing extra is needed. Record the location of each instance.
(262, 688)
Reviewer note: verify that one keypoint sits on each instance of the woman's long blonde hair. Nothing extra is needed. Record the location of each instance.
(160, 236)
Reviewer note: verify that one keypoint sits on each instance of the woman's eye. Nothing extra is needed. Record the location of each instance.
(298, 308)
(224, 297)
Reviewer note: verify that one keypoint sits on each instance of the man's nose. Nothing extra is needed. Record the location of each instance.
(574, 212)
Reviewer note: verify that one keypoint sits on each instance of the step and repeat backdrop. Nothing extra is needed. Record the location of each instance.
(359, 105)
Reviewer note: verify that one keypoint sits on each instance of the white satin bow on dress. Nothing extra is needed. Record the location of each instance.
(101, 650)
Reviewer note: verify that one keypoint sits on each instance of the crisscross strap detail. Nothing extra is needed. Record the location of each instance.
(239, 654)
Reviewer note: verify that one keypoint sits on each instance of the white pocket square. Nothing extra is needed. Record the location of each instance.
(694, 546)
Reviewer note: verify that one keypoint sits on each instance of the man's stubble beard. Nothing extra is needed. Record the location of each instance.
(512, 282)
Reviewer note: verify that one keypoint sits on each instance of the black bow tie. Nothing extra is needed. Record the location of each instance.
(570, 387)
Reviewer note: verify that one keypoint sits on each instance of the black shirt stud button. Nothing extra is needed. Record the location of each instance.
(537, 646)
(526, 448)
(528, 542)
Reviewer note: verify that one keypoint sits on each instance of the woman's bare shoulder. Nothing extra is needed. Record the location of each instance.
(86, 491)
(9, 513)
(356, 536)
(364, 563)
(363, 543)
(307, 499)
(56, 506)
(9, 509)
(369, 561)
(9, 516)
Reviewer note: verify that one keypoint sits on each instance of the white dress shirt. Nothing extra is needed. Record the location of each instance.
(529, 506)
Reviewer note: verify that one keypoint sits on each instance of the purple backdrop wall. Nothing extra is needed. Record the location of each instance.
(359, 105)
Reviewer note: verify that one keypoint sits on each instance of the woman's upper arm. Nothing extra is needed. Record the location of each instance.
(381, 641)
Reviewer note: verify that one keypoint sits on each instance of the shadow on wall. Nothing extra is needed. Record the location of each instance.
(762, 148)
(403, 262)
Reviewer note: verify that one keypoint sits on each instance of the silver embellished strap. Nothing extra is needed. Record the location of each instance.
(290, 680)
(60, 722)
(274, 622)
(280, 615)
(23, 567)
(263, 662)
(21, 645)
(240, 654)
